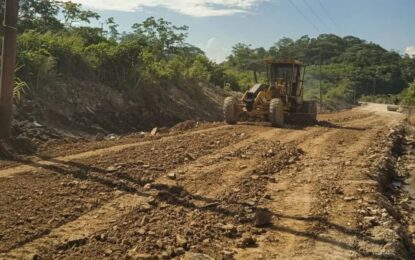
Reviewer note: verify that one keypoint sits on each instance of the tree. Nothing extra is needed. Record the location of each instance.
(90, 35)
(40, 15)
(73, 13)
(407, 65)
(156, 50)
(244, 58)
(408, 95)
(160, 35)
(283, 49)
(351, 41)
(112, 26)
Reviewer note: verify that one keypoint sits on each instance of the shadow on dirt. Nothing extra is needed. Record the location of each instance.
(328, 224)
(344, 245)
(266, 124)
(303, 126)
(332, 125)
(177, 195)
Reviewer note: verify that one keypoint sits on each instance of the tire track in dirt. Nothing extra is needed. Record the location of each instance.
(198, 204)
(10, 172)
(231, 164)
(299, 231)
(340, 235)
(76, 232)
(80, 227)
(218, 168)
(43, 241)
(345, 175)
(219, 192)
(218, 165)
(71, 145)
(75, 179)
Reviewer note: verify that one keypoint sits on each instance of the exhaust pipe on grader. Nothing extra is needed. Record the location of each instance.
(280, 101)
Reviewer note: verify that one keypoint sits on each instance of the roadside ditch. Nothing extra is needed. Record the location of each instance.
(391, 217)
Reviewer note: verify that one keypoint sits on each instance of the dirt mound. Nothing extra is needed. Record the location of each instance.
(25, 138)
(183, 126)
(85, 108)
(34, 131)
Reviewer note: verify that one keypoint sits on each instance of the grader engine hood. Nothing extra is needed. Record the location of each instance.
(251, 95)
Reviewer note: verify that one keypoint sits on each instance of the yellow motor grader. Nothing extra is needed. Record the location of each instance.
(279, 101)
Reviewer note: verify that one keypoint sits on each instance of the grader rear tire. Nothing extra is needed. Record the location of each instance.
(230, 110)
(311, 110)
(276, 112)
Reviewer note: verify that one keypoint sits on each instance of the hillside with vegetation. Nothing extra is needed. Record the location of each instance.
(349, 67)
(73, 74)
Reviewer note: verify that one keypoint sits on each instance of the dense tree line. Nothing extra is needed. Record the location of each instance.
(56, 41)
(349, 67)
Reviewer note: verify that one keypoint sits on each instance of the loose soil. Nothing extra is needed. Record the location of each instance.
(214, 191)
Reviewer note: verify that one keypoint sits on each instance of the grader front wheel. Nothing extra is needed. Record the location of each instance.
(276, 112)
(230, 110)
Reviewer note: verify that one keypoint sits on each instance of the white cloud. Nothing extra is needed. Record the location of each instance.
(214, 49)
(197, 8)
(410, 51)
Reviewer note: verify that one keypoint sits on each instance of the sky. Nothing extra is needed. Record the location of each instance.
(217, 25)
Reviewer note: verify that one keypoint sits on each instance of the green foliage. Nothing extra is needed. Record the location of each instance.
(239, 80)
(112, 26)
(342, 92)
(199, 69)
(163, 37)
(153, 53)
(40, 15)
(350, 67)
(223, 77)
(156, 52)
(408, 95)
(73, 13)
(244, 58)
(39, 64)
(61, 52)
(227, 87)
(19, 88)
(337, 88)
(40, 69)
(381, 99)
(407, 66)
(89, 35)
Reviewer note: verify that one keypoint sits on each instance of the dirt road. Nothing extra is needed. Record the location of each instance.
(203, 190)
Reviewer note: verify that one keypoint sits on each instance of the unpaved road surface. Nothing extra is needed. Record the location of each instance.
(203, 190)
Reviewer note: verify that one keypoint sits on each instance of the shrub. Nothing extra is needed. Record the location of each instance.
(408, 95)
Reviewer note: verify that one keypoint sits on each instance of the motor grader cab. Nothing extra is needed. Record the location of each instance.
(279, 101)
